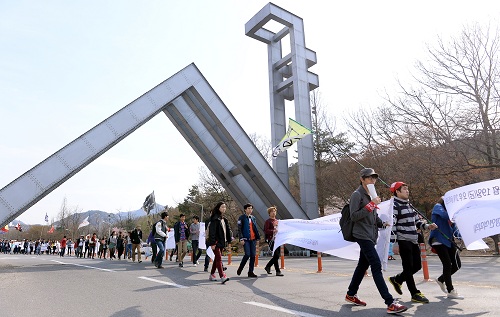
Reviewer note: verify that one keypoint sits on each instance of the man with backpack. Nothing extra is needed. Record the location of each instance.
(363, 212)
(160, 235)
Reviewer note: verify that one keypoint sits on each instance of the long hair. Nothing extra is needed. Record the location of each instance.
(216, 212)
(441, 202)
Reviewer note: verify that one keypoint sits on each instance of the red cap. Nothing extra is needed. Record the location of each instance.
(397, 185)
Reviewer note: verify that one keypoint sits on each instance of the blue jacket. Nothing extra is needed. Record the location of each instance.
(442, 220)
(244, 227)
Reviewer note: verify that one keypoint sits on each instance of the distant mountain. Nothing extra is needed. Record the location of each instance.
(99, 216)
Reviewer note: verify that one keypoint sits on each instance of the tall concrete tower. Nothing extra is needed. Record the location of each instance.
(289, 79)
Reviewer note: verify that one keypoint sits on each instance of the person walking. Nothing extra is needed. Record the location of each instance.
(219, 236)
(270, 229)
(136, 239)
(128, 247)
(70, 245)
(87, 248)
(363, 211)
(104, 243)
(112, 241)
(194, 230)
(92, 244)
(120, 245)
(160, 235)
(249, 236)
(80, 242)
(445, 249)
(63, 246)
(181, 235)
(151, 241)
(405, 225)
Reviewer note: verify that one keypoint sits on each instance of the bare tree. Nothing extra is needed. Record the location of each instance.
(443, 131)
(64, 213)
(328, 145)
(467, 71)
(263, 145)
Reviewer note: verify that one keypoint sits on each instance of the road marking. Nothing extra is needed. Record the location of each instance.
(162, 282)
(464, 267)
(283, 310)
(87, 266)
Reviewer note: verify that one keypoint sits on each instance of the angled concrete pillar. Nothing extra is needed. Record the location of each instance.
(289, 79)
(194, 108)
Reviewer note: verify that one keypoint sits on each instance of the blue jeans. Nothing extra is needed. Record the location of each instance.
(249, 248)
(369, 257)
(128, 251)
(161, 252)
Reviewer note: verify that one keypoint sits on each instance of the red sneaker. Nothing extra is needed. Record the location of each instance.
(396, 308)
(355, 300)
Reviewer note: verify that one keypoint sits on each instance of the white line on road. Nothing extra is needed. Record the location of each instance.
(464, 267)
(281, 309)
(162, 282)
(87, 266)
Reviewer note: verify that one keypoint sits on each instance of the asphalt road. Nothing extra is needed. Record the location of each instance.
(52, 286)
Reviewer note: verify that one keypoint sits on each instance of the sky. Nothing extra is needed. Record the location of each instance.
(66, 66)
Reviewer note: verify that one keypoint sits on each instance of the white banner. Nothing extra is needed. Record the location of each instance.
(324, 235)
(170, 240)
(202, 239)
(84, 223)
(384, 235)
(474, 209)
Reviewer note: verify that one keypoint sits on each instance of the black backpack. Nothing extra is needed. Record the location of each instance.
(153, 228)
(346, 224)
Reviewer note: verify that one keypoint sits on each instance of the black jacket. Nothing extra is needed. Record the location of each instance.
(366, 223)
(216, 233)
(136, 236)
(177, 231)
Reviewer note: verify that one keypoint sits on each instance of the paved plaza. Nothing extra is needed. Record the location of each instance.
(53, 286)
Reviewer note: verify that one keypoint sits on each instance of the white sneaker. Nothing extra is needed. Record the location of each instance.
(212, 277)
(195, 264)
(454, 294)
(442, 286)
(224, 279)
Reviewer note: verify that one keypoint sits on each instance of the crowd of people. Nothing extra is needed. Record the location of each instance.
(366, 224)
(119, 245)
(36, 247)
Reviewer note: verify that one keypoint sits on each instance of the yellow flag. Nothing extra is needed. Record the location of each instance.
(296, 131)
